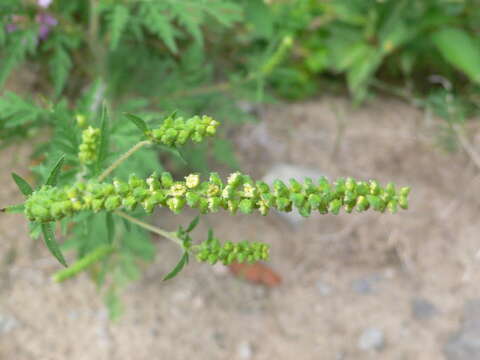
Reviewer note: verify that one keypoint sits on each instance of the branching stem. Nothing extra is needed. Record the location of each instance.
(166, 234)
(122, 158)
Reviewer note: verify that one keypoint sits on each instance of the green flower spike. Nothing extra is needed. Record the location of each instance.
(88, 148)
(239, 192)
(177, 131)
(212, 251)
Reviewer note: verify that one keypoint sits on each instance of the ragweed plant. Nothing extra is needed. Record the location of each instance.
(98, 196)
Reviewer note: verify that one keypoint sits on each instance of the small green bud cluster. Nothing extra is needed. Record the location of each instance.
(239, 193)
(177, 131)
(212, 251)
(81, 121)
(88, 148)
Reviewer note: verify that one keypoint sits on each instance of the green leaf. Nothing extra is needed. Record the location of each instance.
(193, 224)
(54, 173)
(52, 245)
(260, 16)
(104, 139)
(174, 151)
(14, 209)
(114, 305)
(22, 184)
(60, 65)
(139, 123)
(110, 227)
(178, 267)
(158, 23)
(118, 23)
(460, 49)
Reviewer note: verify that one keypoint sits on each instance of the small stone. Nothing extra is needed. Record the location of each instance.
(371, 339)
(323, 288)
(366, 285)
(7, 323)
(220, 269)
(245, 350)
(423, 309)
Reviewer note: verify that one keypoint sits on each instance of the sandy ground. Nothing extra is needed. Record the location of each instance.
(342, 275)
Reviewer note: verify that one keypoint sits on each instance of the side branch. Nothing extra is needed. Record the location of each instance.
(122, 158)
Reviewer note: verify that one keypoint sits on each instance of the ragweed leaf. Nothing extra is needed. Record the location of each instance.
(52, 245)
(53, 177)
(183, 261)
(22, 184)
(193, 224)
(139, 123)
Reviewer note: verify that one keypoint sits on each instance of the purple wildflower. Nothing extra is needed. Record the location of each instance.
(47, 22)
(44, 3)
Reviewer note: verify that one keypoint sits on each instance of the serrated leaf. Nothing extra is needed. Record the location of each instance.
(52, 245)
(55, 172)
(139, 123)
(158, 23)
(60, 65)
(22, 184)
(193, 224)
(183, 261)
(459, 49)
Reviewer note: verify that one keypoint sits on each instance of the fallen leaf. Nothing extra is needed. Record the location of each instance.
(256, 273)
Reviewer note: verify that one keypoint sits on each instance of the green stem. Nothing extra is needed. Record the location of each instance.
(166, 234)
(91, 258)
(122, 158)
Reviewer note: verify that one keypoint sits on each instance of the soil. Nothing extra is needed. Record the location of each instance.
(341, 275)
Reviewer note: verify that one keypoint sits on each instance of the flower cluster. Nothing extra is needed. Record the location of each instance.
(177, 131)
(88, 148)
(212, 251)
(238, 193)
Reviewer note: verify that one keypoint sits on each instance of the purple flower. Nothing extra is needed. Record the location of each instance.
(47, 22)
(44, 3)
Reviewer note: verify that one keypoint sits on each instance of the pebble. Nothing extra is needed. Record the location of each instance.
(371, 339)
(7, 323)
(422, 309)
(323, 288)
(366, 285)
(245, 350)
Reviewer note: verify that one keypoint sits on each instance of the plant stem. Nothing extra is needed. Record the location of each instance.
(122, 158)
(166, 234)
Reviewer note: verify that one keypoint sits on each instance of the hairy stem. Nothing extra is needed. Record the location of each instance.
(166, 234)
(122, 158)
